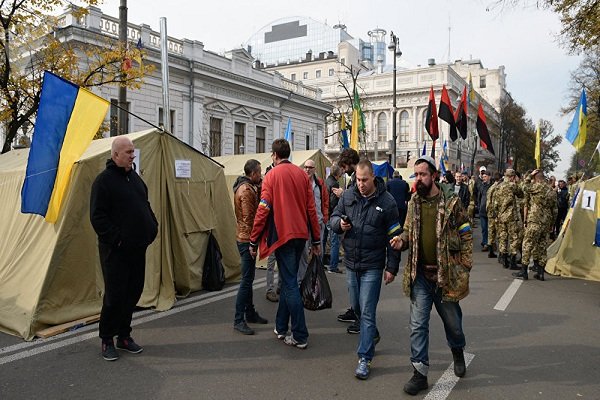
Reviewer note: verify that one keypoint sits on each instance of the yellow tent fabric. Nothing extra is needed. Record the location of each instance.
(50, 273)
(573, 254)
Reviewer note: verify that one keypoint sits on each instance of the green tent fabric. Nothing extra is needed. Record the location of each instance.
(50, 273)
(573, 253)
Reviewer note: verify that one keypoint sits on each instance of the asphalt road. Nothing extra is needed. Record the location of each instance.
(543, 345)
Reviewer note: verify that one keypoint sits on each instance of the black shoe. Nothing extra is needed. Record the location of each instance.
(109, 353)
(255, 318)
(522, 274)
(129, 345)
(513, 263)
(460, 369)
(417, 383)
(354, 328)
(491, 253)
(348, 316)
(243, 328)
(539, 271)
(335, 271)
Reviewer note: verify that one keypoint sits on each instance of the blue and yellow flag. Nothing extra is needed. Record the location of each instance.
(358, 121)
(68, 117)
(577, 132)
(344, 130)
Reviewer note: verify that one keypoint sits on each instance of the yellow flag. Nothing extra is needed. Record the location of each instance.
(538, 151)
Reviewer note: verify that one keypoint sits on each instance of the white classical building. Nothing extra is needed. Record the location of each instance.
(220, 104)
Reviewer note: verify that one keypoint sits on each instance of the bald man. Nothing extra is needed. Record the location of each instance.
(125, 224)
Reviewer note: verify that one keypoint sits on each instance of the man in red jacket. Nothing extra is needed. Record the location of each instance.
(281, 226)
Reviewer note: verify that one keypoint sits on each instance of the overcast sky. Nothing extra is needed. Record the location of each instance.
(524, 40)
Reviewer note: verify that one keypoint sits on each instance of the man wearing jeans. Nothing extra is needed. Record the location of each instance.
(245, 192)
(281, 226)
(440, 242)
(368, 215)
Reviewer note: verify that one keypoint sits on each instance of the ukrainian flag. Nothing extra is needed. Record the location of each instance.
(68, 117)
(577, 132)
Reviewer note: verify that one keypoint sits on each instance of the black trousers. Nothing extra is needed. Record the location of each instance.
(124, 271)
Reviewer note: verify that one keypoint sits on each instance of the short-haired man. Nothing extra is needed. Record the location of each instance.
(282, 225)
(368, 215)
(335, 192)
(125, 224)
(245, 200)
(439, 239)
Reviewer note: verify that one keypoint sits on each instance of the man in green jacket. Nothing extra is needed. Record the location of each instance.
(438, 236)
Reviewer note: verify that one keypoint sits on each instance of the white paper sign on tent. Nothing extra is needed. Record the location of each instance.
(183, 169)
(588, 200)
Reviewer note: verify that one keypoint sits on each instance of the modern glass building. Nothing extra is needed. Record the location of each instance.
(289, 40)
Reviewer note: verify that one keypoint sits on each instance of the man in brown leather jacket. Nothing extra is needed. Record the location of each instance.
(246, 196)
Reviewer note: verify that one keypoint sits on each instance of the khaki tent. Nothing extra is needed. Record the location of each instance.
(573, 254)
(50, 273)
(234, 165)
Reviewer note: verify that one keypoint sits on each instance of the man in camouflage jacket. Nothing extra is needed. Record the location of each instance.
(440, 244)
(509, 218)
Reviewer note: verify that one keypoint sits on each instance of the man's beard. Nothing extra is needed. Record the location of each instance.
(422, 189)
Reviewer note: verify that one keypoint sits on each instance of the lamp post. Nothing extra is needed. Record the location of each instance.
(394, 47)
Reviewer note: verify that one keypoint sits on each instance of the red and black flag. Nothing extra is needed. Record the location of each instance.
(461, 115)
(482, 131)
(431, 120)
(447, 113)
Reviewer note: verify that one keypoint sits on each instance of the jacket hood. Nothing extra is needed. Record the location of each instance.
(240, 181)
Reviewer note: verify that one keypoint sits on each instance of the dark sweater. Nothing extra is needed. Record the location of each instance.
(119, 209)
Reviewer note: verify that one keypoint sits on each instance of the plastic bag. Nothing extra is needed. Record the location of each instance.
(213, 273)
(315, 290)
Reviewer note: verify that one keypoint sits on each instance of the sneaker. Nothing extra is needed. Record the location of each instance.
(354, 329)
(129, 345)
(363, 369)
(243, 328)
(280, 336)
(348, 316)
(256, 319)
(109, 353)
(290, 341)
(334, 271)
(272, 296)
(460, 369)
(417, 383)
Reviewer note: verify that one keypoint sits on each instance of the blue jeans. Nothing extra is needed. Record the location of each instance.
(243, 302)
(364, 288)
(424, 294)
(290, 302)
(484, 229)
(334, 258)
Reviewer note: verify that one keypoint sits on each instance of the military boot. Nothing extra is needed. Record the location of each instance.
(502, 259)
(491, 253)
(539, 271)
(513, 262)
(522, 274)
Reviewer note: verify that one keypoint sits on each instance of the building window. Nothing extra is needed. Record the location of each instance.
(382, 129)
(404, 126)
(482, 82)
(308, 142)
(331, 71)
(305, 75)
(239, 138)
(260, 139)
(293, 77)
(318, 74)
(215, 136)
(343, 61)
(114, 117)
(161, 117)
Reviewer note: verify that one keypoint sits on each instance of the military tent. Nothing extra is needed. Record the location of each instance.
(573, 254)
(50, 273)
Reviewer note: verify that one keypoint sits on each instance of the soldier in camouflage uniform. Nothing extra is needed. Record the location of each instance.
(509, 219)
(492, 213)
(471, 208)
(540, 212)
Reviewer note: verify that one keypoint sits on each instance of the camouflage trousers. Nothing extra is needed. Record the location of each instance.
(491, 230)
(509, 236)
(471, 213)
(535, 244)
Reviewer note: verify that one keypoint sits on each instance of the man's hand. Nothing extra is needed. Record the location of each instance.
(337, 191)
(388, 277)
(252, 252)
(396, 243)
(316, 249)
(345, 226)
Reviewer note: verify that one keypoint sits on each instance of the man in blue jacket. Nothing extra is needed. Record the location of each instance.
(368, 216)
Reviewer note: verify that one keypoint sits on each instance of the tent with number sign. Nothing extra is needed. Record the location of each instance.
(576, 251)
(50, 273)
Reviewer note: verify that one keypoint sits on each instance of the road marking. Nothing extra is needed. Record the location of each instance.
(45, 345)
(508, 295)
(442, 388)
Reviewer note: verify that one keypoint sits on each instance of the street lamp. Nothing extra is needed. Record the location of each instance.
(394, 47)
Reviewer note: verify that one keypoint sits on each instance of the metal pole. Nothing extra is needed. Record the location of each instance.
(394, 46)
(123, 117)
(164, 59)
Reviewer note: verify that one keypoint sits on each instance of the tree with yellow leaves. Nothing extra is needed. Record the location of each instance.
(30, 45)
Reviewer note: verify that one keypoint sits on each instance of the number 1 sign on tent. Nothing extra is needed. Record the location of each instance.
(588, 200)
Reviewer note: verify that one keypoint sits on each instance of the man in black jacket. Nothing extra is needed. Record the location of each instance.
(461, 190)
(563, 206)
(368, 216)
(125, 224)
(335, 192)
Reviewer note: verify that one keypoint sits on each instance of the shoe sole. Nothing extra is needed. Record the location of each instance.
(130, 351)
(352, 332)
(110, 359)
(279, 335)
(301, 346)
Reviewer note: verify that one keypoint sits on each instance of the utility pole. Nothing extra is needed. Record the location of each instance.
(123, 117)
